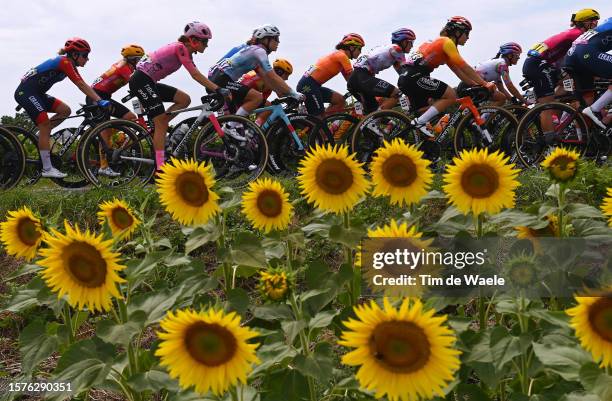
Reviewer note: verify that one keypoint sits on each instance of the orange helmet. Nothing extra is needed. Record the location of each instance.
(283, 65)
(76, 45)
(132, 51)
(352, 39)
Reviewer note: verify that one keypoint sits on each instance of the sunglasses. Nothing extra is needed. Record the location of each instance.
(85, 55)
(278, 71)
(203, 41)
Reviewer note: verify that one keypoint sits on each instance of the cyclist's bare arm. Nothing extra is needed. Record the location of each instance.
(515, 92)
(502, 89)
(86, 89)
(275, 82)
(205, 82)
(460, 73)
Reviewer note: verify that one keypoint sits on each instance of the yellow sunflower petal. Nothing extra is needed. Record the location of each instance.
(480, 182)
(400, 172)
(266, 205)
(82, 266)
(185, 190)
(22, 233)
(331, 179)
(562, 164)
(606, 206)
(592, 321)
(120, 218)
(206, 349)
(403, 354)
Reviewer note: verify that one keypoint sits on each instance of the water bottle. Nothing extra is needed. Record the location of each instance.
(358, 108)
(302, 108)
(137, 106)
(405, 103)
(178, 134)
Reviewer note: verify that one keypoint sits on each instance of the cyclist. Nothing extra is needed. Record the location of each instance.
(590, 57)
(325, 69)
(31, 94)
(282, 68)
(252, 55)
(416, 83)
(108, 83)
(496, 70)
(542, 65)
(363, 82)
(158, 65)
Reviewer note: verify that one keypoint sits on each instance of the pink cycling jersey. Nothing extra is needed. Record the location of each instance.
(555, 47)
(165, 60)
(380, 58)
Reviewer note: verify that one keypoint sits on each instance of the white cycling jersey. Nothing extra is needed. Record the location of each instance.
(492, 70)
(380, 58)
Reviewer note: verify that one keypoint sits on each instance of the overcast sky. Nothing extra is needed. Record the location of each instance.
(33, 31)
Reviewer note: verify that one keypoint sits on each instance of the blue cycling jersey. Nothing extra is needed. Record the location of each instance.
(42, 77)
(245, 59)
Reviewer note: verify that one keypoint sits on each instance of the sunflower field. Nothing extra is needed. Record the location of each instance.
(190, 290)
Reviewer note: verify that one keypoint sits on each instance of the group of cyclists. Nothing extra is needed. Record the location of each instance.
(245, 77)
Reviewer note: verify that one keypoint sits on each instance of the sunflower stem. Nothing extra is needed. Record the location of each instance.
(227, 269)
(561, 204)
(68, 322)
(289, 254)
(304, 343)
(482, 312)
(355, 284)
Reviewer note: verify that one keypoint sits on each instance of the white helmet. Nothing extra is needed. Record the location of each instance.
(197, 30)
(266, 31)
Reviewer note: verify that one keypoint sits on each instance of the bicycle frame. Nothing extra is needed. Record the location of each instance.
(279, 112)
(465, 105)
(204, 114)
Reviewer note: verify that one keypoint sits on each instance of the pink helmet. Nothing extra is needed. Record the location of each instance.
(197, 30)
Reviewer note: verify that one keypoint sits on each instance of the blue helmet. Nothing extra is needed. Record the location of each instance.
(402, 34)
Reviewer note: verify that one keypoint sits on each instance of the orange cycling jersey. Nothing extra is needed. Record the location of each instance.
(114, 78)
(329, 66)
(431, 55)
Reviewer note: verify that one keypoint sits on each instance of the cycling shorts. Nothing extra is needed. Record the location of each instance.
(316, 95)
(238, 90)
(542, 75)
(420, 87)
(365, 86)
(35, 104)
(151, 95)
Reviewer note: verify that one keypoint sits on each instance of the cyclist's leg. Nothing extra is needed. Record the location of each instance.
(61, 110)
(335, 100)
(543, 77)
(311, 89)
(248, 99)
(441, 103)
(358, 84)
(263, 116)
(599, 64)
(391, 101)
(179, 98)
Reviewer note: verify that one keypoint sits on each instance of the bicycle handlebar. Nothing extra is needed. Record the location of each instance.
(215, 101)
(290, 102)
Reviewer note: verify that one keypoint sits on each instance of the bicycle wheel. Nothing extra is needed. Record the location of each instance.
(497, 133)
(517, 109)
(129, 152)
(284, 153)
(378, 126)
(12, 159)
(64, 144)
(570, 128)
(236, 161)
(340, 127)
(33, 165)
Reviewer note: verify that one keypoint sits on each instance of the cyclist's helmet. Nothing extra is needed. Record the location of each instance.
(283, 65)
(76, 45)
(132, 51)
(458, 23)
(584, 15)
(266, 31)
(352, 39)
(510, 48)
(197, 30)
(402, 34)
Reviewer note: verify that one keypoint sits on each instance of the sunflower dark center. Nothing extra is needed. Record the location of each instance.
(334, 176)
(399, 170)
(27, 231)
(480, 181)
(563, 167)
(121, 218)
(270, 203)
(210, 344)
(85, 264)
(522, 274)
(192, 189)
(401, 347)
(600, 318)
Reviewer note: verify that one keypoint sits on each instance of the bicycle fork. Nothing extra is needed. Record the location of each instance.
(467, 103)
(296, 138)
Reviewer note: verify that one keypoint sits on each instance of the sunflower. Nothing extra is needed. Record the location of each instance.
(206, 349)
(592, 320)
(481, 182)
(562, 164)
(532, 234)
(266, 205)
(522, 272)
(21, 234)
(332, 179)
(400, 171)
(389, 238)
(120, 218)
(606, 206)
(274, 284)
(83, 266)
(185, 190)
(405, 354)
